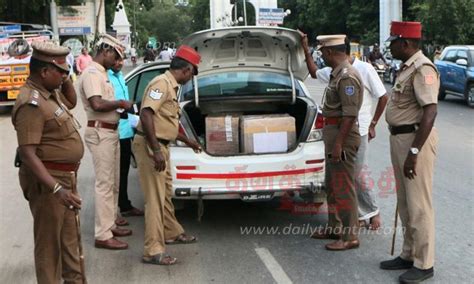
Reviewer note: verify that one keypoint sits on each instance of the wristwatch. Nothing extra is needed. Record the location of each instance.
(414, 150)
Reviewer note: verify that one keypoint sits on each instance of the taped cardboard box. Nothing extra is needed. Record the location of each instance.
(274, 133)
(222, 135)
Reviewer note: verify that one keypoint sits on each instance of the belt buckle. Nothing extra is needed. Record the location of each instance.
(96, 123)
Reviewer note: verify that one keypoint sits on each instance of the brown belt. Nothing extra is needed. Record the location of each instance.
(162, 141)
(402, 129)
(100, 124)
(332, 120)
(63, 167)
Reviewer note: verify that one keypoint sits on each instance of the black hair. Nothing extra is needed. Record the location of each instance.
(347, 43)
(179, 63)
(338, 48)
(104, 47)
(36, 65)
(414, 42)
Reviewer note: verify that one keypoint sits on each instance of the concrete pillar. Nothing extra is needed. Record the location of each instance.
(390, 10)
(53, 10)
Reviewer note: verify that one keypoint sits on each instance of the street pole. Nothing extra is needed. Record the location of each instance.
(245, 12)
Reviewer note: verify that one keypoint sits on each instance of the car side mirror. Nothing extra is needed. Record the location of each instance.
(461, 61)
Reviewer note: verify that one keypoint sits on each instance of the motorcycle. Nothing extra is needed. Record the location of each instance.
(380, 67)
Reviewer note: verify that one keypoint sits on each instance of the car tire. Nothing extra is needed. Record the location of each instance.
(470, 95)
(441, 94)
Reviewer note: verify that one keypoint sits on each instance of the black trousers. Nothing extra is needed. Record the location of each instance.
(125, 154)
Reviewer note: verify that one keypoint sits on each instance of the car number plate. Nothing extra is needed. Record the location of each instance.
(12, 94)
(256, 196)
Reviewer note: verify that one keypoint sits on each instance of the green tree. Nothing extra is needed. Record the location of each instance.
(444, 22)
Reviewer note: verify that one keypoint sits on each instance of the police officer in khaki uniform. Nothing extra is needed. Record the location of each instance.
(50, 148)
(101, 136)
(410, 114)
(158, 126)
(342, 101)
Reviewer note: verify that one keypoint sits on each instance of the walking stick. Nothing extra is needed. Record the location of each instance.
(394, 229)
(78, 230)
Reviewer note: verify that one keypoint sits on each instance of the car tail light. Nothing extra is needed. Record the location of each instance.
(316, 133)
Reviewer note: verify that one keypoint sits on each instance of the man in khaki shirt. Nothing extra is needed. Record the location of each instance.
(50, 148)
(101, 136)
(158, 126)
(411, 112)
(342, 101)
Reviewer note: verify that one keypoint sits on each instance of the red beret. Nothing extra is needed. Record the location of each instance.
(189, 54)
(410, 30)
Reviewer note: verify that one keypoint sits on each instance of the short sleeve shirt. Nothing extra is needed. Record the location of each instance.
(161, 96)
(417, 85)
(40, 118)
(94, 81)
(343, 96)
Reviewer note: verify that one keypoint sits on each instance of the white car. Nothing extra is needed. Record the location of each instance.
(244, 70)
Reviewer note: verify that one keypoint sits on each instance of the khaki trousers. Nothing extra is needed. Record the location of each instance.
(414, 197)
(160, 221)
(55, 232)
(105, 149)
(340, 179)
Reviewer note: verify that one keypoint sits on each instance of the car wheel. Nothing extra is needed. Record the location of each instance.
(441, 94)
(470, 95)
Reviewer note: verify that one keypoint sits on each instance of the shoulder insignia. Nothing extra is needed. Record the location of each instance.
(155, 94)
(33, 102)
(35, 94)
(344, 70)
(429, 79)
(349, 90)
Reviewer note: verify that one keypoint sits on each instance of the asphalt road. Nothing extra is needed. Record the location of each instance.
(224, 254)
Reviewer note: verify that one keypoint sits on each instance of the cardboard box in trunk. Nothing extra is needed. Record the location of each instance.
(222, 135)
(267, 133)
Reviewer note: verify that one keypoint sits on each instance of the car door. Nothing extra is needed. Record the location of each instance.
(449, 60)
(138, 80)
(459, 72)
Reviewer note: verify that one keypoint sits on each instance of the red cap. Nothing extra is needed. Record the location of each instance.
(189, 54)
(405, 30)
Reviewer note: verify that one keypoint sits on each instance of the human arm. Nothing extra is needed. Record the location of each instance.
(381, 103)
(191, 143)
(146, 118)
(312, 68)
(69, 94)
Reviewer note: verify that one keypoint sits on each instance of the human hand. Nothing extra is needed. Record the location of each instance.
(160, 162)
(371, 132)
(409, 168)
(336, 153)
(194, 145)
(69, 199)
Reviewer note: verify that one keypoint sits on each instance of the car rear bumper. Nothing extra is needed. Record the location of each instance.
(202, 176)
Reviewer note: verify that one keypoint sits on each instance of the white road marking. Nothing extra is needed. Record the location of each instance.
(273, 266)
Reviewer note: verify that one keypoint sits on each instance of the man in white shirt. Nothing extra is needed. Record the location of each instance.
(165, 54)
(369, 212)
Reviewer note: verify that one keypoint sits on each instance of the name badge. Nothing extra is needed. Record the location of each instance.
(58, 112)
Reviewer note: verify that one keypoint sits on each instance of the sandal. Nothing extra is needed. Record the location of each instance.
(160, 259)
(121, 222)
(182, 239)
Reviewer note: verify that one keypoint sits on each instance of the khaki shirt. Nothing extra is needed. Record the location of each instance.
(161, 96)
(417, 85)
(40, 118)
(344, 94)
(94, 81)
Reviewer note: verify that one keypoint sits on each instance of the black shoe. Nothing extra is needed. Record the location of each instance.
(416, 275)
(396, 263)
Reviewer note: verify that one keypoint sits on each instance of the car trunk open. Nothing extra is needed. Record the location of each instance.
(194, 118)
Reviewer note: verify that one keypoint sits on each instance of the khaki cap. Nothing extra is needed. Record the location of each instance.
(330, 40)
(115, 43)
(50, 52)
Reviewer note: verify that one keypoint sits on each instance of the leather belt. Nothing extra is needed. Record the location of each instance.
(162, 141)
(402, 129)
(63, 167)
(100, 124)
(332, 120)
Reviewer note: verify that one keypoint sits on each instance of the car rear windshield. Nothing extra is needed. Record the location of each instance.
(240, 83)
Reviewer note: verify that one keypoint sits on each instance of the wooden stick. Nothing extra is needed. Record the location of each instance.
(78, 229)
(394, 229)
